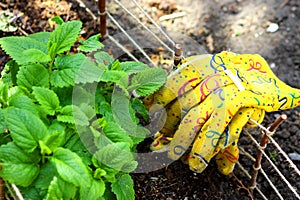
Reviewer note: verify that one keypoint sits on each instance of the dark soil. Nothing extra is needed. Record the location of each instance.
(208, 26)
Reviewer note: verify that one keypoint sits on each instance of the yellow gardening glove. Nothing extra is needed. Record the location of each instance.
(217, 94)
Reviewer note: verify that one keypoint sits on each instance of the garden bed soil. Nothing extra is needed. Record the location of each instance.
(206, 26)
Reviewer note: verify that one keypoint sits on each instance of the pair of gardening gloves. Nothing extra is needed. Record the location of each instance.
(208, 100)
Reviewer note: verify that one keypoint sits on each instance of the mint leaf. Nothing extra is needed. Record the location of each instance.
(58, 20)
(66, 115)
(94, 192)
(99, 173)
(3, 93)
(63, 37)
(75, 144)
(16, 47)
(52, 141)
(148, 81)
(26, 128)
(3, 125)
(84, 93)
(67, 69)
(33, 75)
(133, 67)
(88, 110)
(110, 175)
(40, 36)
(65, 95)
(44, 148)
(140, 108)
(34, 55)
(6, 77)
(116, 156)
(56, 135)
(21, 173)
(123, 187)
(120, 106)
(13, 68)
(112, 76)
(123, 83)
(91, 44)
(60, 189)
(89, 72)
(70, 167)
(115, 65)
(17, 166)
(103, 107)
(31, 193)
(100, 139)
(74, 115)
(23, 102)
(11, 153)
(47, 98)
(103, 57)
(47, 172)
(115, 133)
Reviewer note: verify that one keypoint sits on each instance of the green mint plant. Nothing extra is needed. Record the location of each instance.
(68, 121)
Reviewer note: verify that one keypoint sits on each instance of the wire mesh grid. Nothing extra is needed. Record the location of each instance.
(276, 171)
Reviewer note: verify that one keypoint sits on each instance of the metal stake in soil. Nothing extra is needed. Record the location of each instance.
(177, 54)
(263, 144)
(102, 9)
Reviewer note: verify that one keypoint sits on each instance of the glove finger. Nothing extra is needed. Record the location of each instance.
(226, 158)
(192, 121)
(189, 128)
(214, 134)
(239, 120)
(228, 155)
(174, 115)
(177, 109)
(160, 143)
(197, 117)
(208, 144)
(170, 120)
(184, 79)
(254, 70)
(258, 116)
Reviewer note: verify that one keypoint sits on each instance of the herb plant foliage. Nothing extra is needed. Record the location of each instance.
(68, 121)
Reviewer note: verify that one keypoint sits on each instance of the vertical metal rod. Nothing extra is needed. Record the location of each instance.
(177, 54)
(263, 143)
(102, 9)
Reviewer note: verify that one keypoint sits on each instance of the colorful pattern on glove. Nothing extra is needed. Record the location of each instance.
(209, 99)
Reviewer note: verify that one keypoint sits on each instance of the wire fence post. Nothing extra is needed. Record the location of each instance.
(177, 54)
(102, 9)
(263, 144)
